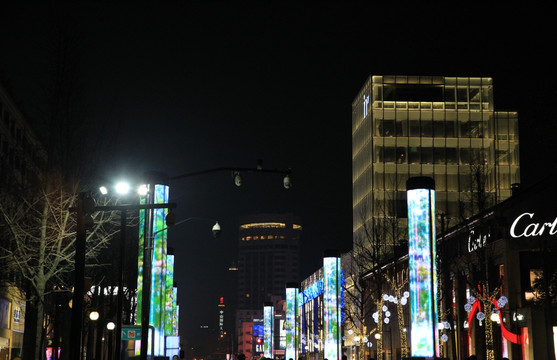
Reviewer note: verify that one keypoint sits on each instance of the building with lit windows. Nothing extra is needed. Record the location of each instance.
(442, 127)
(268, 258)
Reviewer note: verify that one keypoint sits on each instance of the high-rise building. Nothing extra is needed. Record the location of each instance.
(442, 127)
(268, 258)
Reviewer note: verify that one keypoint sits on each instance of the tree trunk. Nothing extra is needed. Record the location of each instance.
(30, 329)
(39, 331)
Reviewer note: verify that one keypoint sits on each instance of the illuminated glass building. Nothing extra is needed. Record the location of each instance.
(442, 127)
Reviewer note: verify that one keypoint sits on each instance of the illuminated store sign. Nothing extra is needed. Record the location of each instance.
(422, 269)
(524, 226)
(477, 240)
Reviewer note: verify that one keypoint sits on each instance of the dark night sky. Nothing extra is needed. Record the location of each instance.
(192, 86)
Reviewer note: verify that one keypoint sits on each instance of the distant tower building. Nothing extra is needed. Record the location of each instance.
(442, 127)
(268, 258)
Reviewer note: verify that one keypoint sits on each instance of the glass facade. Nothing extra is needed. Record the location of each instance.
(442, 127)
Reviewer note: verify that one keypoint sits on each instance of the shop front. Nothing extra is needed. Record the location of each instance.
(499, 270)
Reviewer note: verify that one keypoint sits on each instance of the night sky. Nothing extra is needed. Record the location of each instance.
(187, 86)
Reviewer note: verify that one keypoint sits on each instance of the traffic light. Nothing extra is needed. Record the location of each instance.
(259, 341)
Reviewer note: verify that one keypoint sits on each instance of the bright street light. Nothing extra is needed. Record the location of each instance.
(122, 188)
(94, 315)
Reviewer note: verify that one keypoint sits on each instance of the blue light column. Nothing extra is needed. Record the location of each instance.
(268, 330)
(332, 299)
(422, 267)
(291, 325)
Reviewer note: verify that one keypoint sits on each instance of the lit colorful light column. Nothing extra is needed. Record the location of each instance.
(291, 325)
(155, 227)
(170, 300)
(332, 300)
(268, 330)
(422, 267)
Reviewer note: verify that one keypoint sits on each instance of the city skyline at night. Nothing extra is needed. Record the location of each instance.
(187, 87)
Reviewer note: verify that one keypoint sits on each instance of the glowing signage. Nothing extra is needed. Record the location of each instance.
(331, 306)
(268, 330)
(366, 103)
(291, 325)
(521, 227)
(422, 269)
(477, 241)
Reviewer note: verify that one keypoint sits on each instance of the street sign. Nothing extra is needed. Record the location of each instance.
(131, 333)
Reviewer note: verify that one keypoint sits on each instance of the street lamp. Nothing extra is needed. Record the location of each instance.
(86, 205)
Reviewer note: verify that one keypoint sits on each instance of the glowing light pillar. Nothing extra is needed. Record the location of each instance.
(422, 268)
(332, 300)
(170, 300)
(152, 250)
(291, 325)
(268, 330)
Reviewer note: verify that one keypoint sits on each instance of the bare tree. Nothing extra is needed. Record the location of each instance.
(40, 250)
(375, 245)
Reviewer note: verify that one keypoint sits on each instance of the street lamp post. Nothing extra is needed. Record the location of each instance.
(84, 207)
(123, 224)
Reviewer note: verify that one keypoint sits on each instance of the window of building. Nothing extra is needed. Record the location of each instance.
(439, 155)
(475, 94)
(439, 129)
(532, 293)
(450, 156)
(427, 155)
(427, 128)
(462, 95)
(450, 128)
(387, 128)
(464, 156)
(414, 128)
(414, 155)
(449, 94)
(400, 155)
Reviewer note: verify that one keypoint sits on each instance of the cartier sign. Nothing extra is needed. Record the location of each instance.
(477, 240)
(525, 226)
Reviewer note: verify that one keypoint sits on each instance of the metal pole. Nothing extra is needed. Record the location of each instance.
(123, 221)
(77, 301)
